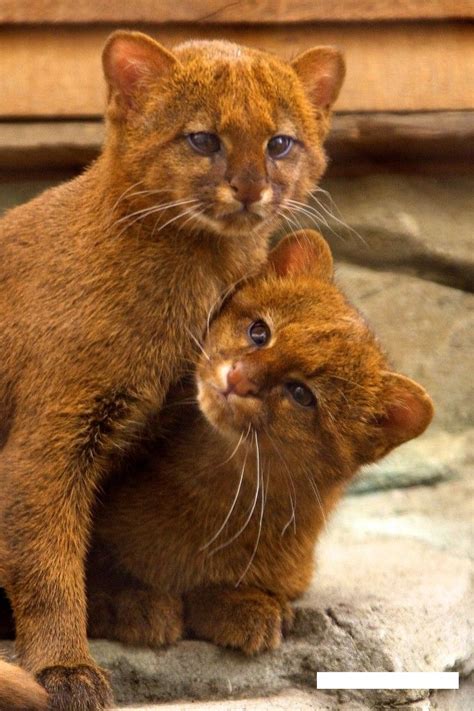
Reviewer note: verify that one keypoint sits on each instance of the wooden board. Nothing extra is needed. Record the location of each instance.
(355, 139)
(223, 11)
(52, 72)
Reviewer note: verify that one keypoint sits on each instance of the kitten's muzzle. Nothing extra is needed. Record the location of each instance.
(238, 381)
(248, 191)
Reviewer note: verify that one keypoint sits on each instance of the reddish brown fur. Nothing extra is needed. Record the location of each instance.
(99, 302)
(163, 527)
(18, 690)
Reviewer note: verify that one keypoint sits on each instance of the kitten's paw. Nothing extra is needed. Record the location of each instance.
(247, 619)
(80, 688)
(137, 617)
(287, 615)
(152, 620)
(257, 626)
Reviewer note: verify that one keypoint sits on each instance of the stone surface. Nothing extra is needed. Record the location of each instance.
(419, 224)
(427, 330)
(292, 700)
(441, 515)
(461, 699)
(434, 457)
(15, 192)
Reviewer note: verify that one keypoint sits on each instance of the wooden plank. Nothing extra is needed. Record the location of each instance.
(426, 137)
(230, 11)
(354, 138)
(390, 67)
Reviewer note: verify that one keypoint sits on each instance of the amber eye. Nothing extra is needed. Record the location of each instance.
(301, 394)
(259, 333)
(204, 143)
(279, 146)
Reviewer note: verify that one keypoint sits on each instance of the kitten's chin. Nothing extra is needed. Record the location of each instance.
(236, 223)
(232, 415)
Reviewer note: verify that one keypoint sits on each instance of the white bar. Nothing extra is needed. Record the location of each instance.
(387, 680)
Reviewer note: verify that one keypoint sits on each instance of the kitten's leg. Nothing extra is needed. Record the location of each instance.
(52, 476)
(47, 524)
(136, 617)
(244, 618)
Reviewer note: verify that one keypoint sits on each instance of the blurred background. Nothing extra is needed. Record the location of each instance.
(398, 209)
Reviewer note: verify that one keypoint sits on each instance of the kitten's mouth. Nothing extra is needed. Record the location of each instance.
(242, 215)
(227, 411)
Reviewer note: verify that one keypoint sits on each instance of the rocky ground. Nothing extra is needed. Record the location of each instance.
(393, 589)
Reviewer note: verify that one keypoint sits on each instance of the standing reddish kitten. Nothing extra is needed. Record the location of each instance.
(107, 279)
(216, 535)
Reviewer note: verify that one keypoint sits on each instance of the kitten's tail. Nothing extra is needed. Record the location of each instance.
(19, 691)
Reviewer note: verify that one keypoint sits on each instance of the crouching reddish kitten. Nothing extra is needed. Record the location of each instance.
(215, 536)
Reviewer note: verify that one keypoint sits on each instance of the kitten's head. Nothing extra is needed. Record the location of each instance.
(290, 359)
(230, 131)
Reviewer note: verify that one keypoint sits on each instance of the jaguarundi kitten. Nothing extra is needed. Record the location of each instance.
(215, 536)
(108, 279)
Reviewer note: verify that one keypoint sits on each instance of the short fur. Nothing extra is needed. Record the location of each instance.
(215, 536)
(18, 691)
(105, 282)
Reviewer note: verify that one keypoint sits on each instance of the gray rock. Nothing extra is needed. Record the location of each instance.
(15, 192)
(291, 700)
(415, 223)
(425, 461)
(461, 699)
(427, 330)
(441, 515)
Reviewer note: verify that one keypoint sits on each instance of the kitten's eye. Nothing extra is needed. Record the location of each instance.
(301, 394)
(279, 146)
(259, 333)
(204, 143)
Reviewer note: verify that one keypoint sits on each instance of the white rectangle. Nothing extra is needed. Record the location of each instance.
(387, 680)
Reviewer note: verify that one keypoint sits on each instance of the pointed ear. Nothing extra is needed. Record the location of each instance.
(302, 252)
(129, 60)
(322, 71)
(408, 412)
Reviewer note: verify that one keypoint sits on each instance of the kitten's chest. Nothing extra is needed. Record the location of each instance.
(167, 317)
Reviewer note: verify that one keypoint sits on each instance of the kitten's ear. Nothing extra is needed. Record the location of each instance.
(129, 60)
(302, 252)
(408, 412)
(322, 71)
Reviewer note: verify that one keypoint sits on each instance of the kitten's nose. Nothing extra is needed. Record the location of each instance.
(247, 190)
(238, 381)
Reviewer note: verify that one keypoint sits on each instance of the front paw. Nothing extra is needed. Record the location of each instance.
(137, 617)
(150, 619)
(79, 688)
(248, 619)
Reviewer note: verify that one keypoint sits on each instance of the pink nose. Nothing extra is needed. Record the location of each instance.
(238, 381)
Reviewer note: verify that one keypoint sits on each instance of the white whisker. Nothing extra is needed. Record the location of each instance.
(292, 518)
(234, 501)
(246, 522)
(125, 192)
(190, 210)
(151, 209)
(236, 448)
(334, 217)
(262, 508)
(199, 345)
(309, 212)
